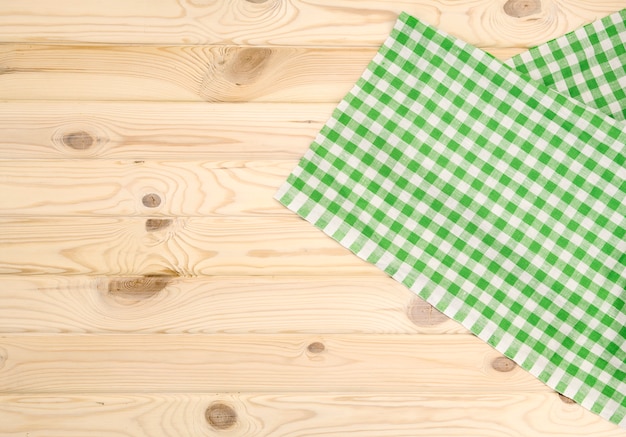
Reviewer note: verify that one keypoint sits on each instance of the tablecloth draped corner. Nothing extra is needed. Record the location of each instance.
(493, 190)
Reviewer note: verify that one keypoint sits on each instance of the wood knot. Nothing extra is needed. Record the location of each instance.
(153, 225)
(247, 65)
(316, 347)
(151, 200)
(139, 287)
(522, 8)
(221, 416)
(503, 364)
(422, 313)
(78, 140)
(565, 399)
(4, 355)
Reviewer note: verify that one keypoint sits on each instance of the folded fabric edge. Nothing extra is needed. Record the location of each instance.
(577, 33)
(594, 57)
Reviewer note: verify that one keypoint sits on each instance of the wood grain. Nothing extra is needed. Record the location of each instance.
(230, 363)
(159, 130)
(186, 247)
(366, 414)
(227, 305)
(116, 187)
(484, 23)
(184, 73)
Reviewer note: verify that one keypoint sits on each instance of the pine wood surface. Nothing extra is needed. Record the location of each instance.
(213, 73)
(167, 304)
(109, 187)
(485, 23)
(368, 414)
(131, 363)
(149, 283)
(159, 130)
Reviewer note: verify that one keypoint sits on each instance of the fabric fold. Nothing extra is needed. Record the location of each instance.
(493, 196)
(588, 64)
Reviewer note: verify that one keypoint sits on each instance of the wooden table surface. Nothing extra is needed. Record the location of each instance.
(151, 286)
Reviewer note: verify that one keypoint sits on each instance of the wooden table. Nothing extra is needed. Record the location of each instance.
(151, 286)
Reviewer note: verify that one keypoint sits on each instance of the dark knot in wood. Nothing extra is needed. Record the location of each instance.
(522, 8)
(503, 364)
(151, 200)
(138, 287)
(221, 416)
(246, 65)
(566, 400)
(316, 347)
(153, 225)
(422, 313)
(78, 140)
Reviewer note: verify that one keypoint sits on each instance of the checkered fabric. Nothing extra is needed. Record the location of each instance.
(494, 197)
(588, 64)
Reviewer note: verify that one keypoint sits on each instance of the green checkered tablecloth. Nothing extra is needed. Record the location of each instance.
(491, 192)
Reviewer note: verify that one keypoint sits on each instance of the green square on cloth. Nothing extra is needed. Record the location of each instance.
(494, 197)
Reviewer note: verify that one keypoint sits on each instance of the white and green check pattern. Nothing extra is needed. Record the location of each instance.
(588, 64)
(497, 199)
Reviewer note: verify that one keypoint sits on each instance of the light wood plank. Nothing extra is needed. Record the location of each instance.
(117, 187)
(183, 73)
(215, 363)
(180, 73)
(296, 23)
(300, 414)
(159, 130)
(234, 305)
(181, 247)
